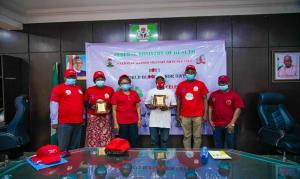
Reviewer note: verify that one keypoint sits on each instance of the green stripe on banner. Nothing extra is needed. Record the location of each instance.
(54, 82)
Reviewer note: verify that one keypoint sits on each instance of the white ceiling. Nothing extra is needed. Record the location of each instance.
(18, 12)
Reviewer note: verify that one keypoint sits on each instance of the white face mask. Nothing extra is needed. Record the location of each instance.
(70, 81)
(100, 83)
(223, 87)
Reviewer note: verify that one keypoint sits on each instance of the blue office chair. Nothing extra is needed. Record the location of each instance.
(278, 127)
(15, 134)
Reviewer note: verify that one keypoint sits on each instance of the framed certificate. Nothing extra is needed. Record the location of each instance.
(159, 100)
(100, 107)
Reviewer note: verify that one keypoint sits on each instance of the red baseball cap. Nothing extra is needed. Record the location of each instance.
(70, 72)
(122, 77)
(190, 67)
(223, 79)
(117, 146)
(47, 154)
(98, 74)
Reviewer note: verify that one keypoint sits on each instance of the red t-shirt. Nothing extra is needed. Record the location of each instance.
(126, 106)
(70, 102)
(93, 93)
(224, 105)
(191, 94)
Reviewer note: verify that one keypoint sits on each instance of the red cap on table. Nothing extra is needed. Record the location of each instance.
(117, 146)
(47, 154)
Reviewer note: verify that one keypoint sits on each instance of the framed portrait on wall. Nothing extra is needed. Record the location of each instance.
(285, 66)
(78, 63)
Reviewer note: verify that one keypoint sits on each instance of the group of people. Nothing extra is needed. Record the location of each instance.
(120, 111)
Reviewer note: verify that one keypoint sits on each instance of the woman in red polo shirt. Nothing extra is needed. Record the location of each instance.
(126, 111)
(99, 123)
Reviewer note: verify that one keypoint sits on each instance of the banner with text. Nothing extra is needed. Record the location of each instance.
(142, 61)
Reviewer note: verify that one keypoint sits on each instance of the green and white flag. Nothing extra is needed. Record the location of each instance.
(54, 82)
(143, 33)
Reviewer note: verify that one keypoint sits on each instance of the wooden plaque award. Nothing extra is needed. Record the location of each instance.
(100, 107)
(159, 100)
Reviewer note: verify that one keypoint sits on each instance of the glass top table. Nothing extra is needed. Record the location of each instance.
(152, 163)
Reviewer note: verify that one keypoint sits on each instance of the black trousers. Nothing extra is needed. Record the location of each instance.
(130, 133)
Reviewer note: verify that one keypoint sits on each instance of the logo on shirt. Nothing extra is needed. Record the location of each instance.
(68, 92)
(106, 96)
(196, 88)
(79, 91)
(189, 96)
(228, 102)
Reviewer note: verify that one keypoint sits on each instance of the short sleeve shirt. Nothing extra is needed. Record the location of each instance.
(224, 105)
(126, 106)
(191, 94)
(158, 118)
(70, 100)
(92, 94)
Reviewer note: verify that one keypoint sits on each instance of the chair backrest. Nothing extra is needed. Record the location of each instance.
(272, 111)
(18, 125)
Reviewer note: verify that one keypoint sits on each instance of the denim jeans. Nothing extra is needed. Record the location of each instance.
(159, 133)
(130, 133)
(68, 136)
(220, 134)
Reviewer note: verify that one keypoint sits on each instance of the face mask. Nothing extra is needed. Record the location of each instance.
(125, 87)
(100, 83)
(160, 84)
(70, 81)
(190, 77)
(223, 87)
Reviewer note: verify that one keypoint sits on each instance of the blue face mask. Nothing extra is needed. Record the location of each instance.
(70, 81)
(100, 83)
(223, 87)
(125, 87)
(190, 77)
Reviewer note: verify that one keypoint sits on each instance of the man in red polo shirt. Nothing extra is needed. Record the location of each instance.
(66, 111)
(224, 109)
(191, 107)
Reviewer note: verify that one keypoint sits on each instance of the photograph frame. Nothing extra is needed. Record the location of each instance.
(282, 74)
(70, 61)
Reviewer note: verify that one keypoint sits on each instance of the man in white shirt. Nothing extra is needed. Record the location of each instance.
(288, 70)
(160, 101)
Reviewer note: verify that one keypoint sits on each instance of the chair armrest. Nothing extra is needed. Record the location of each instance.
(271, 136)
